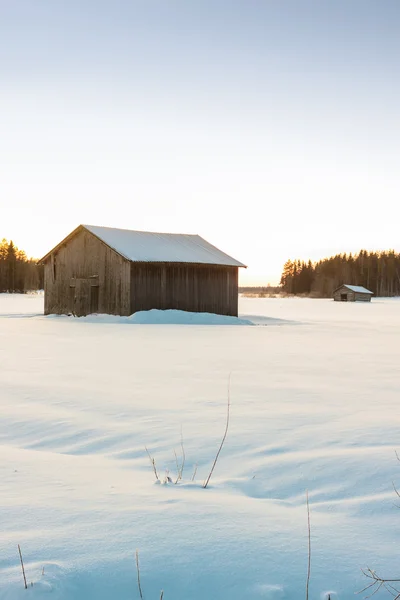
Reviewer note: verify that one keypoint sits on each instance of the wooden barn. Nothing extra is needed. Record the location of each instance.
(119, 272)
(352, 293)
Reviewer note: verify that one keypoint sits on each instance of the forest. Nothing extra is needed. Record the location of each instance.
(379, 272)
(18, 273)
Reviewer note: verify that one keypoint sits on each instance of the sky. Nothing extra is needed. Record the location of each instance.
(271, 128)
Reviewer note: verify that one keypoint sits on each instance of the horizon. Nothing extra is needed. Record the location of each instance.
(264, 282)
(271, 131)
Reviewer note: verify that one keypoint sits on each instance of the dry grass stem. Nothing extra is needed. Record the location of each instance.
(179, 468)
(309, 546)
(153, 462)
(183, 455)
(138, 574)
(22, 566)
(194, 472)
(225, 434)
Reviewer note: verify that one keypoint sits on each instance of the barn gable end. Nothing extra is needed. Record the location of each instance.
(77, 265)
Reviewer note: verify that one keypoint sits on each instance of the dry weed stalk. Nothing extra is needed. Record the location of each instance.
(224, 437)
(183, 455)
(153, 462)
(138, 578)
(309, 546)
(378, 582)
(138, 574)
(22, 565)
(179, 468)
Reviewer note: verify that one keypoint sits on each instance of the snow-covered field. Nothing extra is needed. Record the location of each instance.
(314, 405)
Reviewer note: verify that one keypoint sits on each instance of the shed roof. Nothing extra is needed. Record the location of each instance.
(356, 288)
(145, 246)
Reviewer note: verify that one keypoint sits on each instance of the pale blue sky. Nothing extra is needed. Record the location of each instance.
(269, 128)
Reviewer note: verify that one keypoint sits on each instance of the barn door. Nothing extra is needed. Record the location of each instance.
(82, 297)
(85, 296)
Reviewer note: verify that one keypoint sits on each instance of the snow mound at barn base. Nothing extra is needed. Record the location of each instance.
(182, 317)
(168, 317)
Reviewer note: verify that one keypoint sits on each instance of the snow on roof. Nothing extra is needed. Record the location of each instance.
(145, 246)
(357, 288)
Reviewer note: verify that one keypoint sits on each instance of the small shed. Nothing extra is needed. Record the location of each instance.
(119, 272)
(352, 293)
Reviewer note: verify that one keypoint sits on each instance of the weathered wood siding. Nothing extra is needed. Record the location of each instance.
(351, 296)
(358, 297)
(337, 296)
(195, 288)
(82, 263)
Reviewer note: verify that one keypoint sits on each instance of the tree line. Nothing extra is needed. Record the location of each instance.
(18, 273)
(379, 272)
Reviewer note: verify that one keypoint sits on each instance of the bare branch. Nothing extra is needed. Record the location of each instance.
(395, 590)
(390, 589)
(225, 434)
(367, 587)
(378, 583)
(377, 590)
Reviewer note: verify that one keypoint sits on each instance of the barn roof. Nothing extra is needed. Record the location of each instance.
(356, 288)
(145, 246)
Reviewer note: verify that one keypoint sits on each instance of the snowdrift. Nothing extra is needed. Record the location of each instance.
(175, 317)
(166, 317)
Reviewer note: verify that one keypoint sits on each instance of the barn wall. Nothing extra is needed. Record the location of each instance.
(362, 297)
(196, 288)
(74, 267)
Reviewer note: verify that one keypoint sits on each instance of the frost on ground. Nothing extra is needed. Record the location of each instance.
(312, 407)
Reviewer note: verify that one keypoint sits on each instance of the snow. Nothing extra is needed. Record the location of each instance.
(314, 405)
(166, 317)
(146, 246)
